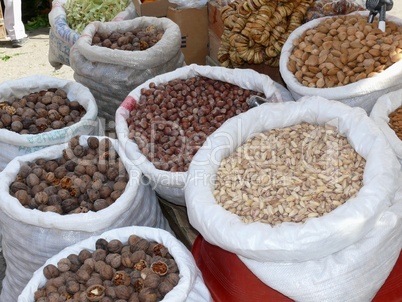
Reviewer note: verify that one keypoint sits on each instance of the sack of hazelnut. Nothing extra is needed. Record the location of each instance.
(387, 114)
(344, 58)
(304, 192)
(65, 193)
(112, 58)
(63, 35)
(39, 111)
(163, 122)
(132, 263)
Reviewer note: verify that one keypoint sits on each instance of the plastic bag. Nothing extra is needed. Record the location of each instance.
(363, 93)
(191, 286)
(379, 114)
(62, 37)
(170, 185)
(13, 144)
(189, 3)
(355, 273)
(112, 74)
(293, 242)
(30, 237)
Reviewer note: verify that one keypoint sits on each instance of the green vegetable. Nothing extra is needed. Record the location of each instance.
(79, 13)
(39, 21)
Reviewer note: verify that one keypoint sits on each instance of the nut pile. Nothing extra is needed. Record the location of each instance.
(289, 175)
(85, 178)
(139, 270)
(255, 30)
(343, 50)
(395, 121)
(39, 112)
(171, 121)
(137, 39)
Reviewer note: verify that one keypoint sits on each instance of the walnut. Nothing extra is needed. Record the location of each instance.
(101, 243)
(95, 292)
(164, 287)
(106, 272)
(123, 291)
(148, 295)
(51, 271)
(159, 267)
(121, 278)
(115, 246)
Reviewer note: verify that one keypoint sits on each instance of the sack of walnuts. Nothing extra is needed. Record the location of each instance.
(302, 192)
(112, 58)
(39, 111)
(344, 58)
(161, 137)
(65, 193)
(63, 33)
(181, 282)
(387, 114)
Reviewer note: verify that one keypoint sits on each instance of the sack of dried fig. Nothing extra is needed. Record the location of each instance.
(299, 173)
(111, 74)
(189, 287)
(387, 114)
(36, 231)
(15, 142)
(161, 137)
(344, 58)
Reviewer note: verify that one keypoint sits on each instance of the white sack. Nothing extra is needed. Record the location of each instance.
(191, 286)
(30, 237)
(170, 185)
(353, 274)
(13, 144)
(62, 37)
(363, 93)
(293, 242)
(385, 105)
(111, 74)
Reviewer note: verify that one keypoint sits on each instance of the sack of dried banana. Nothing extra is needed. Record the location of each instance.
(387, 114)
(344, 58)
(302, 192)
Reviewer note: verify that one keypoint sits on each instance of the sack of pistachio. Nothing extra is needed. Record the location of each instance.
(68, 18)
(163, 122)
(344, 58)
(66, 193)
(305, 191)
(387, 114)
(39, 111)
(112, 58)
(134, 263)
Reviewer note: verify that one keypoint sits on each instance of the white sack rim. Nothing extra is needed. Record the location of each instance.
(290, 241)
(85, 222)
(36, 83)
(359, 88)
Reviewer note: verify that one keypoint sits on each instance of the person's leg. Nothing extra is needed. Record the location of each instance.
(13, 20)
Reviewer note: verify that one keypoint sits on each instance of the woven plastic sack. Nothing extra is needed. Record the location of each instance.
(191, 286)
(385, 105)
(111, 74)
(13, 144)
(170, 185)
(30, 237)
(355, 273)
(62, 37)
(363, 93)
(288, 241)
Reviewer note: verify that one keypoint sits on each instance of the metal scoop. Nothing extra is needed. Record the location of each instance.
(379, 6)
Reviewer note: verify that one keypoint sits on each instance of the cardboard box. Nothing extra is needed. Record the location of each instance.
(193, 23)
(157, 8)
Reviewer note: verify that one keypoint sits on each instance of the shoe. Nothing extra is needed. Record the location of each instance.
(19, 42)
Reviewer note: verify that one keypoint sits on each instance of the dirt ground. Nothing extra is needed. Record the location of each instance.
(31, 59)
